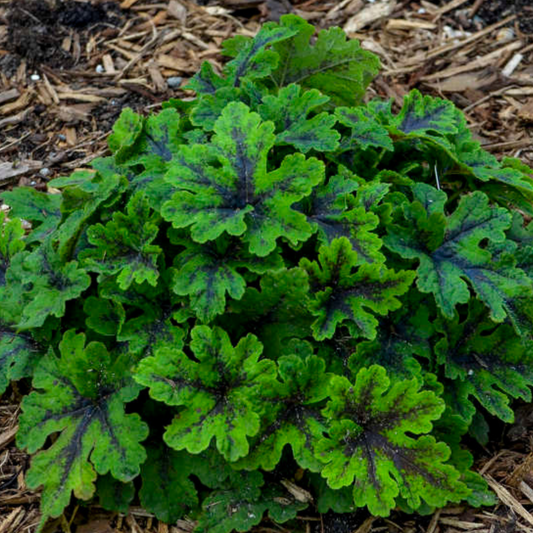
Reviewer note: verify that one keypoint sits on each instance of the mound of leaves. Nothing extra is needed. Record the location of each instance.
(271, 286)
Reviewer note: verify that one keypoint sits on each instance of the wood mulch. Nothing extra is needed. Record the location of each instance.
(68, 67)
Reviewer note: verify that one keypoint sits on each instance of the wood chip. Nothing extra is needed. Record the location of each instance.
(369, 14)
(51, 91)
(467, 81)
(478, 62)
(525, 113)
(510, 67)
(177, 10)
(16, 119)
(95, 526)
(509, 500)
(8, 436)
(461, 524)
(7, 96)
(71, 95)
(19, 103)
(421, 58)
(156, 77)
(176, 63)
(402, 24)
(366, 526)
(127, 4)
(109, 66)
(10, 170)
(12, 519)
(526, 490)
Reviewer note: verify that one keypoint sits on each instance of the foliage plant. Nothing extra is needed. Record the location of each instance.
(270, 297)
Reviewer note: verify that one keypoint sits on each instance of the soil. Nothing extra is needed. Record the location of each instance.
(492, 11)
(36, 29)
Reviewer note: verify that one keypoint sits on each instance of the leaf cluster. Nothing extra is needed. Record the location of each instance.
(275, 282)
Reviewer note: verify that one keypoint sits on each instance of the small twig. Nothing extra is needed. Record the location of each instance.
(475, 8)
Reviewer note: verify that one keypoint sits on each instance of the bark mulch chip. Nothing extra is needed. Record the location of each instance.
(67, 69)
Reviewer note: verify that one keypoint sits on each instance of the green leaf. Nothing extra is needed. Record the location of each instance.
(252, 59)
(365, 131)
(166, 488)
(449, 251)
(336, 67)
(206, 80)
(485, 167)
(104, 316)
(44, 284)
(39, 208)
(19, 354)
(225, 186)
(216, 393)
(423, 115)
(404, 337)
(123, 247)
(374, 444)
(335, 212)
(80, 203)
(241, 504)
(276, 313)
(159, 141)
(11, 242)
(152, 330)
(81, 397)
(209, 107)
(289, 111)
(492, 363)
(339, 500)
(236, 508)
(126, 131)
(113, 495)
(350, 295)
(293, 415)
(206, 272)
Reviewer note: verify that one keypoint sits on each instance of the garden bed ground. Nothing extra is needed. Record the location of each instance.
(67, 68)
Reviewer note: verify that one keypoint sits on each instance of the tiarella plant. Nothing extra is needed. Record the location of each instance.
(273, 285)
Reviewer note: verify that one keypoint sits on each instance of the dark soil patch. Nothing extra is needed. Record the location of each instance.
(36, 30)
(492, 11)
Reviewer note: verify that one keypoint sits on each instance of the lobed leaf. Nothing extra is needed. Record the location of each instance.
(344, 296)
(42, 284)
(338, 68)
(424, 114)
(366, 132)
(123, 247)
(11, 242)
(374, 444)
(487, 361)
(293, 416)
(207, 272)
(216, 392)
(242, 503)
(80, 396)
(449, 251)
(276, 313)
(166, 488)
(19, 353)
(39, 208)
(289, 111)
(225, 186)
